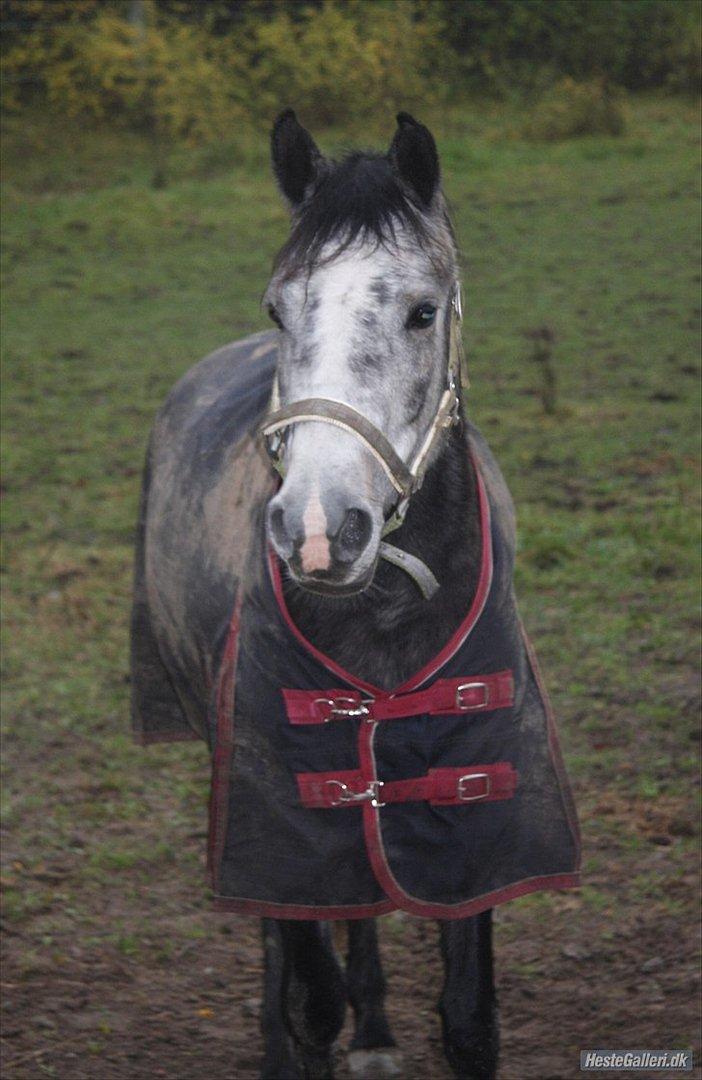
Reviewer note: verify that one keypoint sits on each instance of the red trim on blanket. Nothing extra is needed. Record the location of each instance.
(221, 760)
(445, 697)
(455, 641)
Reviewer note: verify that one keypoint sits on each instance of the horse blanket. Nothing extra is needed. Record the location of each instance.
(331, 797)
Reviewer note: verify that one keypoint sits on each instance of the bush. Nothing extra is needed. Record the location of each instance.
(93, 61)
(573, 108)
(334, 62)
(504, 47)
(342, 62)
(197, 69)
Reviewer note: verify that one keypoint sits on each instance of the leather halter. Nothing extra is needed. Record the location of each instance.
(405, 478)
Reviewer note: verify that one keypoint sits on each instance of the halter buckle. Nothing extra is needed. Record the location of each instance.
(274, 448)
(457, 302)
(455, 414)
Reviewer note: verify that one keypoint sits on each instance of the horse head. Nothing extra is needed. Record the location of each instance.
(365, 296)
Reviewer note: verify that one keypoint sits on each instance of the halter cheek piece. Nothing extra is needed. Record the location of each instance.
(406, 479)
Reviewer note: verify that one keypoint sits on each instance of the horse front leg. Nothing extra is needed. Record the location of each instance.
(370, 1052)
(468, 1004)
(307, 1001)
(279, 1060)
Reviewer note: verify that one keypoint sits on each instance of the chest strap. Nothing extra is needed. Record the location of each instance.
(446, 697)
(453, 786)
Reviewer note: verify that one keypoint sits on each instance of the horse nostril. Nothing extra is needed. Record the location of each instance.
(353, 536)
(278, 532)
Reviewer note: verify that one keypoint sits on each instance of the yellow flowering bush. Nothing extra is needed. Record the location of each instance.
(95, 62)
(92, 57)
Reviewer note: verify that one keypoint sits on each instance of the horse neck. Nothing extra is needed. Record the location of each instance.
(390, 631)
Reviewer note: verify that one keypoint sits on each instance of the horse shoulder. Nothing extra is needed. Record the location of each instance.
(204, 480)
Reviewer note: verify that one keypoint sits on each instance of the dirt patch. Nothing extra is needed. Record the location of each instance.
(575, 970)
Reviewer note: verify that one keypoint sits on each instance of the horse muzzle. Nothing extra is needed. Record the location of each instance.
(329, 547)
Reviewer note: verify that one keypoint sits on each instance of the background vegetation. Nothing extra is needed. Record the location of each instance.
(582, 275)
(187, 68)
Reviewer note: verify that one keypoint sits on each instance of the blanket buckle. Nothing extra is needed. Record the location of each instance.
(343, 706)
(346, 796)
(463, 780)
(464, 687)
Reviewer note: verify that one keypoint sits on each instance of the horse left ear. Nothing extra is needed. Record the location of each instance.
(414, 155)
(296, 160)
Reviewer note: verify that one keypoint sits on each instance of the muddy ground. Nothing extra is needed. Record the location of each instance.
(571, 975)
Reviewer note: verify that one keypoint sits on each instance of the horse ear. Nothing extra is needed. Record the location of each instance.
(415, 158)
(296, 159)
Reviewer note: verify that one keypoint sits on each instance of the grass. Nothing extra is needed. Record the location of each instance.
(113, 289)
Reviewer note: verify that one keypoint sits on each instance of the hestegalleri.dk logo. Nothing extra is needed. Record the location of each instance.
(636, 1060)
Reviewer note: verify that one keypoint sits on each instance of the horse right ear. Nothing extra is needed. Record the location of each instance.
(414, 156)
(296, 159)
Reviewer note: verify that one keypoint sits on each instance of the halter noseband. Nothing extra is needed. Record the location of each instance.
(406, 479)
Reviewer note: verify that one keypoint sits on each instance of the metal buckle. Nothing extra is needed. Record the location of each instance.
(358, 708)
(397, 516)
(345, 796)
(463, 780)
(455, 414)
(274, 444)
(460, 690)
(457, 302)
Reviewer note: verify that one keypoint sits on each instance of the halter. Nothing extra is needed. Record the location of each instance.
(405, 478)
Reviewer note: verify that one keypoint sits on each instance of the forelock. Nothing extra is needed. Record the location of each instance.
(360, 201)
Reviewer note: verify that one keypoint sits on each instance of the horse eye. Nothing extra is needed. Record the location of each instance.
(421, 316)
(275, 317)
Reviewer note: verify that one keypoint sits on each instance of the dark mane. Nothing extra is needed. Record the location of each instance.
(358, 197)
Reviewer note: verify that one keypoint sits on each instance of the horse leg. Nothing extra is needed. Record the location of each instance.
(468, 1004)
(279, 1061)
(369, 1054)
(314, 995)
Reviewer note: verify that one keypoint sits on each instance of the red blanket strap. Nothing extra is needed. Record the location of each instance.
(448, 697)
(441, 787)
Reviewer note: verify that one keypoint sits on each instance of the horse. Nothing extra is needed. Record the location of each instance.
(257, 587)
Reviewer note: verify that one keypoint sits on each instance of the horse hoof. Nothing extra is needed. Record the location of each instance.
(375, 1064)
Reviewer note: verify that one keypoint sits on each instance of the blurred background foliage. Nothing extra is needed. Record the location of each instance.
(185, 69)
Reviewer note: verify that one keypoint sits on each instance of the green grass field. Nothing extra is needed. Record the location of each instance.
(113, 289)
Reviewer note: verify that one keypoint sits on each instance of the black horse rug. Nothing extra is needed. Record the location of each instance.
(333, 798)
